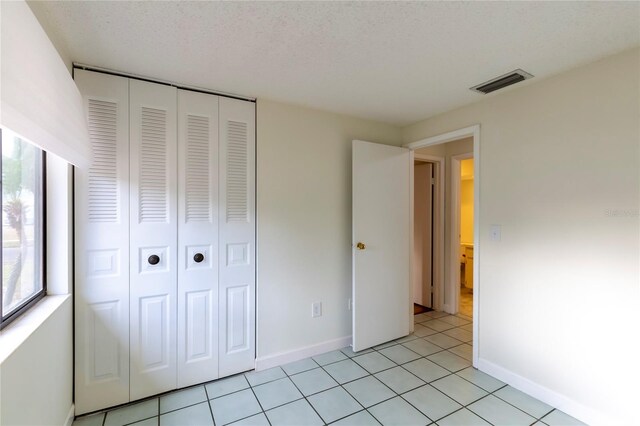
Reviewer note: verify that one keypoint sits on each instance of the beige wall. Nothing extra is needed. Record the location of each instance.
(559, 295)
(304, 222)
(36, 371)
(49, 29)
(37, 378)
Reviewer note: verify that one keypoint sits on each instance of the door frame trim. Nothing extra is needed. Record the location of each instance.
(474, 132)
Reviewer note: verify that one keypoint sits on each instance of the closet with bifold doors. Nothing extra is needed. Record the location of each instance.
(164, 240)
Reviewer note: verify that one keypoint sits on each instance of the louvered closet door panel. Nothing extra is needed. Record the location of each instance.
(237, 236)
(153, 217)
(197, 238)
(102, 247)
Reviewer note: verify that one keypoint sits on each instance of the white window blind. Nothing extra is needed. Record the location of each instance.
(40, 101)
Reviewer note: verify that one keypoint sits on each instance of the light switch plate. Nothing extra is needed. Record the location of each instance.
(316, 309)
(495, 233)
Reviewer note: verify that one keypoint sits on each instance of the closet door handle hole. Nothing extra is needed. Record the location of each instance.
(198, 257)
(154, 259)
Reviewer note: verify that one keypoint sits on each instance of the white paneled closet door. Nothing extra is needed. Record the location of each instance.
(102, 247)
(153, 240)
(237, 236)
(197, 238)
(164, 241)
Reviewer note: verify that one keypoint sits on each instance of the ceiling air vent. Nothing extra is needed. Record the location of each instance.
(502, 81)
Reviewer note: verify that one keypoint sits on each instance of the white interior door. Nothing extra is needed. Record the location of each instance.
(381, 244)
(153, 241)
(102, 247)
(237, 236)
(197, 237)
(423, 233)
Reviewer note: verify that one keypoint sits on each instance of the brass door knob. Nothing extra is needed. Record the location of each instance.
(361, 246)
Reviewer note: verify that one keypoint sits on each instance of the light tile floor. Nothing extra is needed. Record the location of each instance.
(422, 379)
(465, 306)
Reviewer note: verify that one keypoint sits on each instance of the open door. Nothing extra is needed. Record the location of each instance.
(381, 243)
(423, 203)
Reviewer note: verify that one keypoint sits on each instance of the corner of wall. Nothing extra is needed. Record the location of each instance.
(40, 14)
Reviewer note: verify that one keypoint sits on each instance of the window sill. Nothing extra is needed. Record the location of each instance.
(16, 333)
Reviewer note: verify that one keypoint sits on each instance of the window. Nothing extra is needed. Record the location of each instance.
(22, 226)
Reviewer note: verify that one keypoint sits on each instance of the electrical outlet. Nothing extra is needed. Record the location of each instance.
(316, 309)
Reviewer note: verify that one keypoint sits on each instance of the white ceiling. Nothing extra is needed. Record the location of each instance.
(397, 62)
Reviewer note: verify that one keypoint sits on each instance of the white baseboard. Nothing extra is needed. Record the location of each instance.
(447, 308)
(563, 403)
(281, 358)
(70, 415)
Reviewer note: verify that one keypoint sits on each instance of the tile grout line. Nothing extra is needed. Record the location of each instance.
(206, 394)
(396, 393)
(259, 403)
(425, 383)
(462, 406)
(339, 385)
(302, 393)
(507, 402)
(375, 378)
(188, 405)
(544, 415)
(145, 418)
(305, 396)
(368, 375)
(348, 393)
(364, 410)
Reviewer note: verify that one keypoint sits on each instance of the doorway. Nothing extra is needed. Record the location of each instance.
(462, 178)
(428, 232)
(457, 292)
(423, 224)
(382, 241)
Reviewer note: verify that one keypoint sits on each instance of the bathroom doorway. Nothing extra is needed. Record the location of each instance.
(465, 226)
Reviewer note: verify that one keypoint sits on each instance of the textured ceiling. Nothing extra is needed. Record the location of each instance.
(396, 62)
